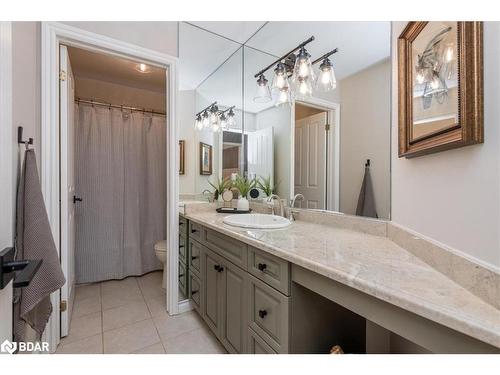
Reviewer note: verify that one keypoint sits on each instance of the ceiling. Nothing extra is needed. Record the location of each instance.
(88, 64)
(214, 49)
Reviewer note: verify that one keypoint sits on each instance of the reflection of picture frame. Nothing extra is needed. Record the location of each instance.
(181, 156)
(205, 159)
(434, 131)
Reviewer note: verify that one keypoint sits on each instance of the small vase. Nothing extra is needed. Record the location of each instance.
(243, 204)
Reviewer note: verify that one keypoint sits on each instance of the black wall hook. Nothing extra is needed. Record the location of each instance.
(367, 164)
(20, 137)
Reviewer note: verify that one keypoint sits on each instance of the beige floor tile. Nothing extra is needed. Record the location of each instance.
(88, 345)
(157, 306)
(131, 338)
(124, 315)
(150, 285)
(121, 297)
(199, 341)
(153, 349)
(85, 306)
(85, 291)
(82, 327)
(113, 286)
(172, 326)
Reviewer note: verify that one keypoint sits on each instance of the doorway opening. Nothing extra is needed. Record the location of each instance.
(316, 155)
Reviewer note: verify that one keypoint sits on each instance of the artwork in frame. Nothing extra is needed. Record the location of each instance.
(182, 151)
(205, 159)
(440, 86)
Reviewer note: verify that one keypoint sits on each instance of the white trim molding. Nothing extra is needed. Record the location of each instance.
(54, 34)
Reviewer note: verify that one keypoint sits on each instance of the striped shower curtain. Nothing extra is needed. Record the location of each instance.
(120, 175)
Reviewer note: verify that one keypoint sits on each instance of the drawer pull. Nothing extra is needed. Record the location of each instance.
(194, 257)
(181, 246)
(262, 313)
(181, 275)
(194, 230)
(193, 292)
(262, 266)
(218, 268)
(181, 223)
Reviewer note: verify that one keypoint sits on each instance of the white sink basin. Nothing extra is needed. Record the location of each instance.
(257, 221)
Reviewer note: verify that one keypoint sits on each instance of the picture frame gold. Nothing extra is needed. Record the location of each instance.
(182, 152)
(468, 129)
(205, 159)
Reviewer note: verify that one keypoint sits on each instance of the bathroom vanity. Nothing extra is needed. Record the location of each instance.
(309, 287)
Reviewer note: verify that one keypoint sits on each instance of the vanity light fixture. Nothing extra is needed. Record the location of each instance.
(300, 68)
(263, 93)
(206, 120)
(214, 119)
(198, 124)
(230, 117)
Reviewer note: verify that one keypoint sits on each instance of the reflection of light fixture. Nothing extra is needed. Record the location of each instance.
(206, 120)
(326, 80)
(420, 75)
(142, 68)
(303, 67)
(230, 118)
(223, 121)
(198, 124)
(300, 68)
(263, 94)
(280, 80)
(449, 53)
(214, 114)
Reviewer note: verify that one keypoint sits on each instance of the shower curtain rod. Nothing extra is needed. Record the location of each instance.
(122, 107)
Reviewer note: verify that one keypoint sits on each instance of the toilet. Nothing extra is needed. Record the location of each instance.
(161, 254)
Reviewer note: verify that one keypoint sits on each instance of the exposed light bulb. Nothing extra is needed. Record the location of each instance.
(326, 80)
(303, 66)
(280, 77)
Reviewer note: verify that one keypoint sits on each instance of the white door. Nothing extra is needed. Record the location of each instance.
(7, 178)
(67, 108)
(310, 160)
(260, 153)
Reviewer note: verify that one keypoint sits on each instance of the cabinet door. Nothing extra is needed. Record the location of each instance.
(234, 328)
(213, 273)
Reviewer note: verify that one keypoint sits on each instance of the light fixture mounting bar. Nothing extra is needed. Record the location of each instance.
(328, 54)
(228, 109)
(305, 42)
(204, 109)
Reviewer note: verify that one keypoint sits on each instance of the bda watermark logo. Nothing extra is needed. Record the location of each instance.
(8, 347)
(11, 347)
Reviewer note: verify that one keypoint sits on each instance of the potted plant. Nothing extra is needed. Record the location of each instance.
(244, 185)
(265, 185)
(220, 185)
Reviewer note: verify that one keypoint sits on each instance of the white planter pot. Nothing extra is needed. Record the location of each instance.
(243, 204)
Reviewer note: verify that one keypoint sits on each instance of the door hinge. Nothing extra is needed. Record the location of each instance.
(63, 305)
(327, 127)
(62, 75)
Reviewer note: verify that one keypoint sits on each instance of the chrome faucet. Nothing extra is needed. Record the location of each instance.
(271, 205)
(209, 195)
(292, 206)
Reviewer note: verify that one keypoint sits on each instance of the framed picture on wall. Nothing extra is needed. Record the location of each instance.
(205, 159)
(181, 156)
(440, 86)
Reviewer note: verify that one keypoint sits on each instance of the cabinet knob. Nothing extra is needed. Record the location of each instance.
(181, 246)
(194, 230)
(262, 313)
(193, 292)
(194, 257)
(218, 268)
(181, 275)
(262, 266)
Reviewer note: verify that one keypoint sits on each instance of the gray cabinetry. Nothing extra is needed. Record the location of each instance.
(212, 285)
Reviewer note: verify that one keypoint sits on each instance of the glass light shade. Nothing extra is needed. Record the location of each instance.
(420, 75)
(283, 96)
(205, 120)
(223, 122)
(215, 127)
(303, 67)
(303, 88)
(230, 118)
(449, 53)
(326, 80)
(198, 123)
(214, 114)
(280, 80)
(263, 93)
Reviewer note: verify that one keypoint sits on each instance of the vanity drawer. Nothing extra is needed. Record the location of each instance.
(183, 226)
(183, 279)
(256, 345)
(269, 314)
(195, 257)
(195, 291)
(195, 231)
(228, 247)
(270, 269)
(182, 249)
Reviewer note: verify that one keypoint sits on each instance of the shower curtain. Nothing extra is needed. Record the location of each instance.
(120, 175)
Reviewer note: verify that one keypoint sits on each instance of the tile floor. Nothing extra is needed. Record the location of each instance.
(128, 316)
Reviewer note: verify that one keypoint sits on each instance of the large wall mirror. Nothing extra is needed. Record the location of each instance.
(332, 144)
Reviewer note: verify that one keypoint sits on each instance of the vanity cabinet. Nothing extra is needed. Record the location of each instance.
(183, 269)
(241, 292)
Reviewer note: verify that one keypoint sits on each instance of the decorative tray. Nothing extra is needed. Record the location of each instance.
(232, 210)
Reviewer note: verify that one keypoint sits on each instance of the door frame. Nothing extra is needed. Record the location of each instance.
(333, 153)
(54, 34)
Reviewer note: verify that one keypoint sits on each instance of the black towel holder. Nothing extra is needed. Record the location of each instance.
(20, 137)
(367, 164)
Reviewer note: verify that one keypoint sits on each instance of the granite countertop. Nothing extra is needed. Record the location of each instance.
(374, 265)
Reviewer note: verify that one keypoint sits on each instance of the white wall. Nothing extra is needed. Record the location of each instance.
(186, 101)
(365, 126)
(454, 196)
